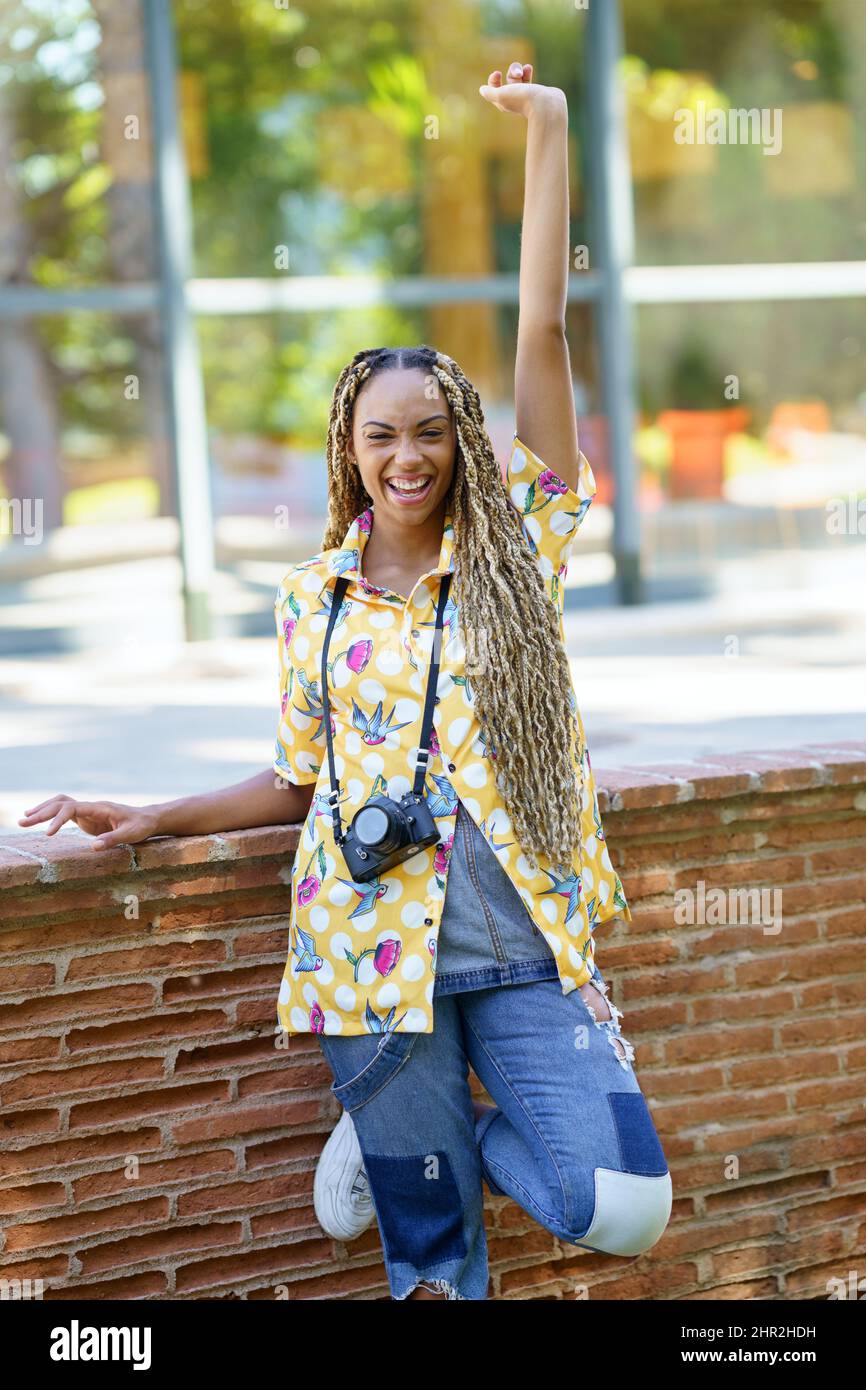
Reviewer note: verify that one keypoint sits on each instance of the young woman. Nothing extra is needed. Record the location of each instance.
(456, 930)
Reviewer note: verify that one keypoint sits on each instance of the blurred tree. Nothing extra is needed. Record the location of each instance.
(127, 153)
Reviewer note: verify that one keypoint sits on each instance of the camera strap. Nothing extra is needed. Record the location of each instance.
(430, 699)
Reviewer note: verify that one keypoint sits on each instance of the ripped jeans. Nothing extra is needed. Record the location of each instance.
(569, 1138)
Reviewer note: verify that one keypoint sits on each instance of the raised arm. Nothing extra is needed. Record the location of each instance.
(543, 392)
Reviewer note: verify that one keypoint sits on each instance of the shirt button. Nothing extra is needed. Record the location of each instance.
(428, 921)
(452, 767)
(414, 632)
(436, 699)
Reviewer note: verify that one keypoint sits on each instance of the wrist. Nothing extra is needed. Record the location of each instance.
(160, 814)
(550, 108)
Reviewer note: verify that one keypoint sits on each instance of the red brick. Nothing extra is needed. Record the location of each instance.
(14, 979)
(32, 1197)
(186, 1169)
(28, 1236)
(220, 983)
(74, 1080)
(836, 860)
(60, 1153)
(136, 1287)
(243, 1194)
(152, 1028)
(240, 1120)
(175, 1240)
(239, 1053)
(280, 1261)
(29, 1050)
(74, 1004)
(139, 1104)
(285, 1080)
(146, 959)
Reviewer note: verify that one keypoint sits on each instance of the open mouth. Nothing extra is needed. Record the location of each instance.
(409, 492)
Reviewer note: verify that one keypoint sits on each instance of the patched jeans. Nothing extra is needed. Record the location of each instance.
(569, 1138)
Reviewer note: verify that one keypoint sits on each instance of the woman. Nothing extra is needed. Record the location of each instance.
(426, 638)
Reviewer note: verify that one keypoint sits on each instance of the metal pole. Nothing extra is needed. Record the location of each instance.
(184, 387)
(612, 220)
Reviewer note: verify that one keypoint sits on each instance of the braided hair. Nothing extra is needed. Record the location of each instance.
(523, 695)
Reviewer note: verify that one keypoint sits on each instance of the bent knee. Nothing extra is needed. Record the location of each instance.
(631, 1212)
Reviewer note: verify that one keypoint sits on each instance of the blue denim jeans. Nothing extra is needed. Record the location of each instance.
(569, 1138)
(486, 936)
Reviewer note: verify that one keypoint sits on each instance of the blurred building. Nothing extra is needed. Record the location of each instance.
(207, 209)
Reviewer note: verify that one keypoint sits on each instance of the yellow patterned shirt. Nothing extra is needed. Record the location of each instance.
(362, 956)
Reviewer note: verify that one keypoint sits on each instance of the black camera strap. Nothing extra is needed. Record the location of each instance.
(430, 699)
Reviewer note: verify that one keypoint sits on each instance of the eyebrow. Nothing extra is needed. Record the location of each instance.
(390, 427)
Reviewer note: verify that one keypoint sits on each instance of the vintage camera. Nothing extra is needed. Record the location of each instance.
(384, 832)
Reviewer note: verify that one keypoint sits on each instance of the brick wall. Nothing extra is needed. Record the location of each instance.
(155, 1142)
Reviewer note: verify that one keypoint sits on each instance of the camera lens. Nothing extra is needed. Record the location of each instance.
(372, 826)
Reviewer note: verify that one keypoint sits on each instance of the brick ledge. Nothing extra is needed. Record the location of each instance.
(28, 858)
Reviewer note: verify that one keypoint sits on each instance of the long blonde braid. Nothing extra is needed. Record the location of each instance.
(523, 695)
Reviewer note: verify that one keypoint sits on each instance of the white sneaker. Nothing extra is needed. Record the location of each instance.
(341, 1192)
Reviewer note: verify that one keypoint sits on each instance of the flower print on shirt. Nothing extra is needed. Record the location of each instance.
(442, 858)
(308, 887)
(363, 955)
(385, 956)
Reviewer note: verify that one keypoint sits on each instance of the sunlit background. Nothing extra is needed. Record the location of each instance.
(166, 396)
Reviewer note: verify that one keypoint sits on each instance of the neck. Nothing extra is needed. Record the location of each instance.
(391, 542)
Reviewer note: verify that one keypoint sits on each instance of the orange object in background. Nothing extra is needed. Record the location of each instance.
(593, 439)
(789, 416)
(801, 415)
(698, 449)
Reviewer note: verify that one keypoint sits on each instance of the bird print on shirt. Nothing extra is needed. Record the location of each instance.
(369, 893)
(569, 888)
(306, 951)
(372, 727)
(315, 707)
(490, 836)
(376, 1024)
(444, 801)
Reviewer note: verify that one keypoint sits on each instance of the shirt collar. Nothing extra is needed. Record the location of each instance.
(347, 558)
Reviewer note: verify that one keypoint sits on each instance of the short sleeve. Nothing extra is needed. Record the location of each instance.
(300, 744)
(551, 511)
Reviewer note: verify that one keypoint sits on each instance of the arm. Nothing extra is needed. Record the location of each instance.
(265, 799)
(543, 391)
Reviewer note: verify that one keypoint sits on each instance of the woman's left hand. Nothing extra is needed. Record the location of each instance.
(519, 94)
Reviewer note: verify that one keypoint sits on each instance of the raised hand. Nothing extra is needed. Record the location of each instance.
(519, 94)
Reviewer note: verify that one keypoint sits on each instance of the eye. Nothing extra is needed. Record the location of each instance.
(430, 434)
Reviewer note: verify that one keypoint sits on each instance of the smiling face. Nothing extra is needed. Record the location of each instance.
(404, 444)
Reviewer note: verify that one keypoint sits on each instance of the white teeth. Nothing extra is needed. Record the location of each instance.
(408, 487)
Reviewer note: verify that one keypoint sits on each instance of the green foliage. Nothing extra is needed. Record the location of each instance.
(695, 381)
(269, 76)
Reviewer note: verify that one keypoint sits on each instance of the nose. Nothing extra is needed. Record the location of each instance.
(407, 452)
